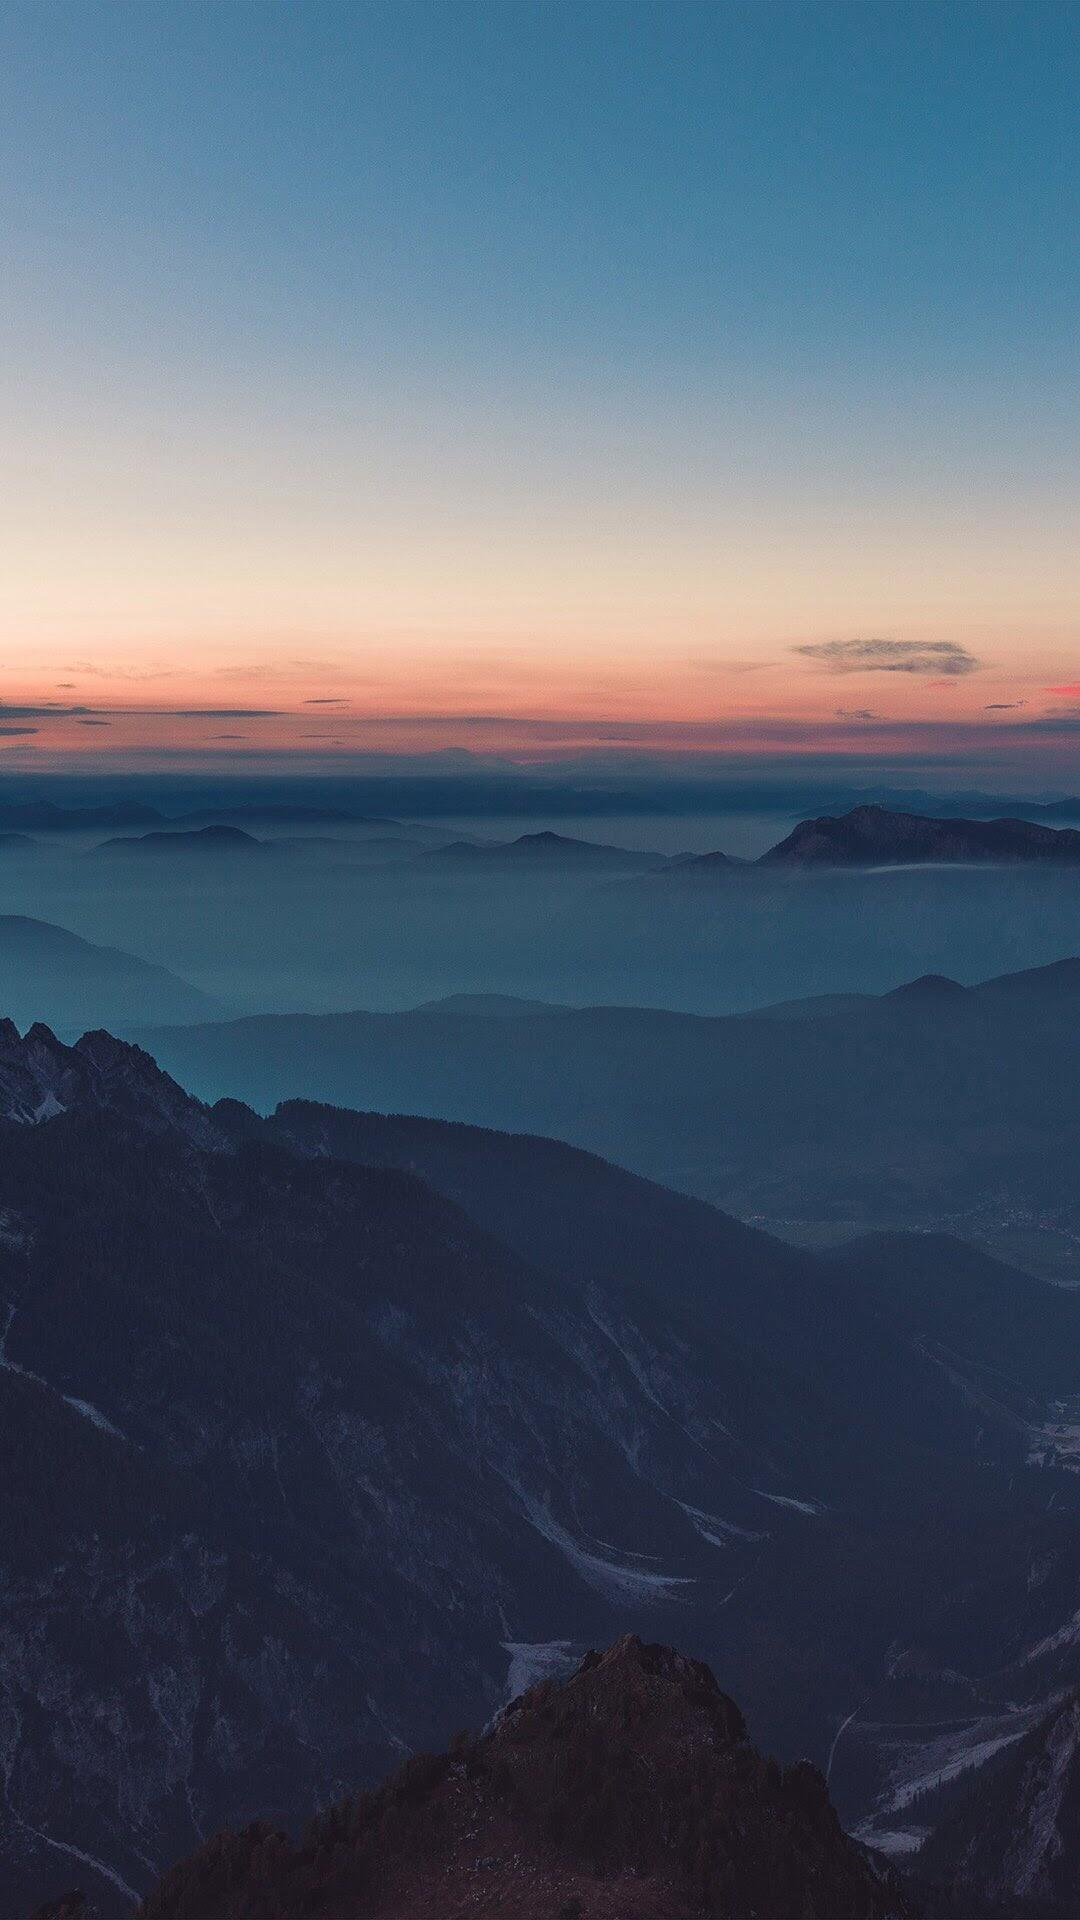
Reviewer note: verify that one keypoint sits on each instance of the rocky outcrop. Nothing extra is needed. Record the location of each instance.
(629, 1789)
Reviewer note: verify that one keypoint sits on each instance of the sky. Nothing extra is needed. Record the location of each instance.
(540, 379)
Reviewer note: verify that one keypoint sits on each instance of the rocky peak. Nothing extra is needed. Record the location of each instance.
(629, 1789)
(42, 1078)
(671, 1695)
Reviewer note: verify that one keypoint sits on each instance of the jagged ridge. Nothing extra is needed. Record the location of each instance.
(41, 1078)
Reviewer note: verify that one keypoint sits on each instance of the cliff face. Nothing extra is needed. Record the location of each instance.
(1013, 1834)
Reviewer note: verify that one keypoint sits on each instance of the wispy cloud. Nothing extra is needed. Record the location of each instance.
(55, 710)
(1003, 706)
(945, 657)
(856, 713)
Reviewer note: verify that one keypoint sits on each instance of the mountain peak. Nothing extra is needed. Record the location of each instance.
(630, 1788)
(928, 986)
(666, 1686)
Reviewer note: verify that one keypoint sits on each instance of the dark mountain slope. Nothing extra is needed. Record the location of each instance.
(378, 1411)
(629, 1790)
(972, 1333)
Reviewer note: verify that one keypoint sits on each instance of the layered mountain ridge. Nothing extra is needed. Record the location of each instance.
(934, 1106)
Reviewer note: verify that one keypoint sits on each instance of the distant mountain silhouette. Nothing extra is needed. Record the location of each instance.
(629, 1789)
(932, 988)
(706, 863)
(549, 849)
(212, 839)
(487, 1006)
(873, 836)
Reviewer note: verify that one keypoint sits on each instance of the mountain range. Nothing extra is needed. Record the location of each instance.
(934, 1106)
(865, 836)
(327, 1433)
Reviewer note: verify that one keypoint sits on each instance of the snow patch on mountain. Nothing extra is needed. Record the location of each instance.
(718, 1533)
(811, 1507)
(934, 1763)
(534, 1660)
(611, 1578)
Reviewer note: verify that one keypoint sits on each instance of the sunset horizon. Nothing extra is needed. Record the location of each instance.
(510, 385)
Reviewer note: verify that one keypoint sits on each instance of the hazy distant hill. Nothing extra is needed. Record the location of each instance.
(541, 850)
(51, 974)
(208, 840)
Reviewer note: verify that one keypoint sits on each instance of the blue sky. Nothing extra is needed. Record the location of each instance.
(471, 343)
(814, 181)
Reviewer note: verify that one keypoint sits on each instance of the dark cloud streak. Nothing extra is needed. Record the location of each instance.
(938, 657)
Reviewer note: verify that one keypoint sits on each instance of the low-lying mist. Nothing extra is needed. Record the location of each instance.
(387, 916)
